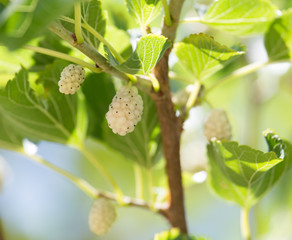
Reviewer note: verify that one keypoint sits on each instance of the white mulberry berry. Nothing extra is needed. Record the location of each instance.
(217, 126)
(125, 111)
(71, 79)
(102, 216)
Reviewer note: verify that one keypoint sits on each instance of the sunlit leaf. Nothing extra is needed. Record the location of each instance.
(144, 10)
(243, 175)
(50, 117)
(149, 51)
(119, 39)
(242, 17)
(278, 40)
(18, 26)
(202, 56)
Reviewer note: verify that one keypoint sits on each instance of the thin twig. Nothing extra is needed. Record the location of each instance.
(92, 159)
(92, 191)
(128, 201)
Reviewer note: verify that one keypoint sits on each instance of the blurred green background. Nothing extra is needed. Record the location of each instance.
(38, 204)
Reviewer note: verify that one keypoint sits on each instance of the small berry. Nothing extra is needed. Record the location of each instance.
(217, 126)
(102, 216)
(125, 110)
(71, 78)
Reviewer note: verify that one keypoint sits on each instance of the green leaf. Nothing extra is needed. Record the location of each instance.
(243, 175)
(202, 56)
(276, 145)
(99, 91)
(242, 17)
(94, 16)
(278, 40)
(144, 10)
(18, 27)
(174, 234)
(49, 117)
(4, 2)
(149, 51)
(9, 139)
(143, 145)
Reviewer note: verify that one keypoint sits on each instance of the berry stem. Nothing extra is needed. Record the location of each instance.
(245, 229)
(92, 159)
(167, 20)
(139, 181)
(63, 56)
(193, 96)
(78, 28)
(150, 186)
(155, 82)
(103, 40)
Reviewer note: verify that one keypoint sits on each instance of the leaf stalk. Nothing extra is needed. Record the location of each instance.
(78, 29)
(245, 228)
(168, 20)
(63, 56)
(92, 159)
(139, 181)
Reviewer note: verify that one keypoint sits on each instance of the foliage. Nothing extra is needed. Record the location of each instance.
(202, 56)
(242, 174)
(125, 47)
(149, 51)
(243, 17)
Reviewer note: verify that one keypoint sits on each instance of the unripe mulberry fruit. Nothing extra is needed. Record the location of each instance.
(71, 79)
(217, 126)
(125, 111)
(102, 216)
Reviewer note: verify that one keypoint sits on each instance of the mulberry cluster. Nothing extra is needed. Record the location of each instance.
(217, 126)
(102, 216)
(125, 111)
(71, 79)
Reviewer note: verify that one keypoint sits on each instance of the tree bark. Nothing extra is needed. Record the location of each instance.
(170, 127)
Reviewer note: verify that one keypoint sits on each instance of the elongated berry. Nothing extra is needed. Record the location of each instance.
(71, 79)
(217, 125)
(102, 216)
(125, 111)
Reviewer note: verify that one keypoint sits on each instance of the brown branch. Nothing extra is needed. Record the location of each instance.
(89, 51)
(170, 126)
